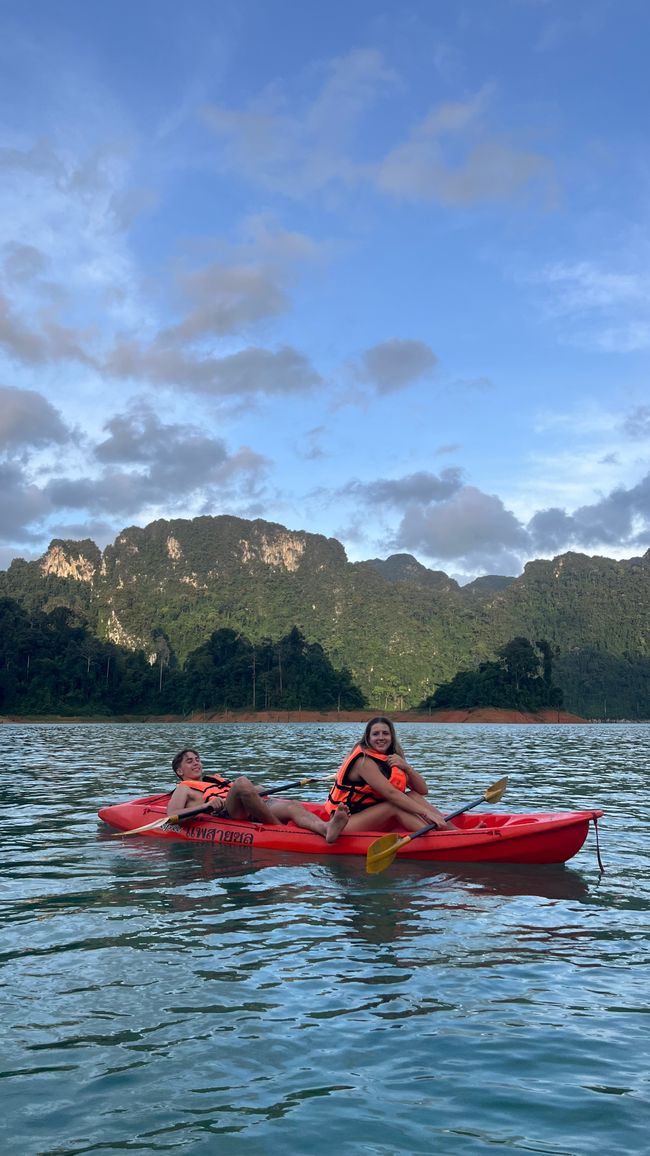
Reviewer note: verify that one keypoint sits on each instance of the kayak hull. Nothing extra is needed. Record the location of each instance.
(536, 838)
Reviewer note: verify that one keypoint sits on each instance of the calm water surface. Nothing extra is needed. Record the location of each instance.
(178, 998)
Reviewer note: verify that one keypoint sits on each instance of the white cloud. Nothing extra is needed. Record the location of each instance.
(601, 307)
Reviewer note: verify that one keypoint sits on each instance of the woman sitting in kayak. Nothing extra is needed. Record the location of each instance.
(379, 788)
(241, 799)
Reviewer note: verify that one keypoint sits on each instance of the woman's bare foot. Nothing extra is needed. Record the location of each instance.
(337, 823)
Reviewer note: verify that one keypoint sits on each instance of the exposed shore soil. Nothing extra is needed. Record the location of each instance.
(471, 715)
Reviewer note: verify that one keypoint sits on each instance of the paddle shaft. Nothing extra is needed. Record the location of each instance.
(435, 826)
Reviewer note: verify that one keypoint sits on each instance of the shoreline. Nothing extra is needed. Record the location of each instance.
(468, 715)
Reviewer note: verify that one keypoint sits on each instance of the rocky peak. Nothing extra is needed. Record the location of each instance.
(76, 560)
(281, 551)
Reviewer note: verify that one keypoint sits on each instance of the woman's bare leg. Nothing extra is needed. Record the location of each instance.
(338, 822)
(384, 816)
(302, 817)
(379, 817)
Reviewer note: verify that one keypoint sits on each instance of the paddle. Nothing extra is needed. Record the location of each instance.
(203, 808)
(381, 853)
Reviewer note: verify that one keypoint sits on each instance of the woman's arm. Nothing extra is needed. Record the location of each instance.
(414, 804)
(416, 782)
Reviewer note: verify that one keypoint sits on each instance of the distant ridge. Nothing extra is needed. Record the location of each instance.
(400, 628)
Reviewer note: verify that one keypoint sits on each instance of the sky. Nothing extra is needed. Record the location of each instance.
(376, 269)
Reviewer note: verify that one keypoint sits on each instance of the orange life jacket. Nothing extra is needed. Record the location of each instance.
(212, 789)
(359, 795)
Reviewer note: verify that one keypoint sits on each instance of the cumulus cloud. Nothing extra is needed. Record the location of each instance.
(226, 300)
(637, 423)
(445, 520)
(27, 419)
(143, 463)
(169, 484)
(23, 506)
(621, 517)
(421, 487)
(41, 343)
(551, 530)
(393, 365)
(246, 284)
(250, 372)
(465, 526)
(169, 462)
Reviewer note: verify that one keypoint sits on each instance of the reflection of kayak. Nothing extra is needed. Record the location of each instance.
(541, 837)
(548, 881)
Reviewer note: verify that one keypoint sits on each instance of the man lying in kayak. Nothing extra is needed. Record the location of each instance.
(241, 799)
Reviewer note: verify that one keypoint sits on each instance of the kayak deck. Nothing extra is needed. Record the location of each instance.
(538, 837)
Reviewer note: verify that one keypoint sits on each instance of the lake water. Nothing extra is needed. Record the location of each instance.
(160, 996)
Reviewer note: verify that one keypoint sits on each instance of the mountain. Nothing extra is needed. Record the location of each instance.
(399, 628)
(406, 568)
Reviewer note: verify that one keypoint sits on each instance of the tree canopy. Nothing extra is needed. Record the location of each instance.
(53, 664)
(521, 678)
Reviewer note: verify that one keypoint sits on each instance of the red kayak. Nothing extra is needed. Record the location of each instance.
(540, 837)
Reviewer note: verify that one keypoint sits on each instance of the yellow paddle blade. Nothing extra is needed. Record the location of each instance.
(494, 793)
(381, 853)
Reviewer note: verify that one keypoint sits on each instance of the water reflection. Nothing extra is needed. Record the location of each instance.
(246, 883)
(554, 882)
(551, 882)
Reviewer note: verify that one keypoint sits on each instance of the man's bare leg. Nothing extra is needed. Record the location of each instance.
(245, 802)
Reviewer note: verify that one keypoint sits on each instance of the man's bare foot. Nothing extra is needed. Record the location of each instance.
(337, 823)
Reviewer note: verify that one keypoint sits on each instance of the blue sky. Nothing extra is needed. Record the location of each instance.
(373, 270)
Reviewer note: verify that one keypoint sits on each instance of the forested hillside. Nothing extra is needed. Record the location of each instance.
(390, 631)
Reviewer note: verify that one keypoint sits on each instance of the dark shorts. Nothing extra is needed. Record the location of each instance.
(219, 808)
